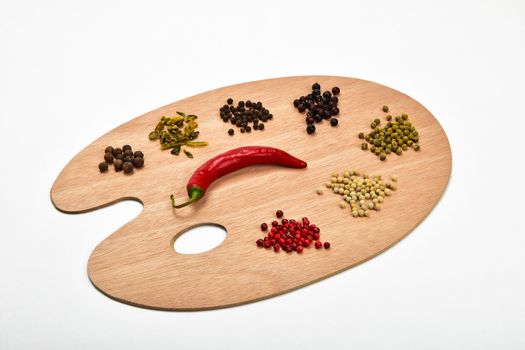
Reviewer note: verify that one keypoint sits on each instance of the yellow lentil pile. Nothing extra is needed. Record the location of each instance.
(362, 192)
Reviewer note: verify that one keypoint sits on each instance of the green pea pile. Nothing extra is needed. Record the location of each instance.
(397, 136)
(362, 192)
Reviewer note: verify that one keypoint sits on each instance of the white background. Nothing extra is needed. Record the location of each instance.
(70, 71)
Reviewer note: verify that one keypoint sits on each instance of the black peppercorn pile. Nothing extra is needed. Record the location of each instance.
(246, 115)
(319, 106)
(123, 159)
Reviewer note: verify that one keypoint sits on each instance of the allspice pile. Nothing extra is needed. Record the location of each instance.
(362, 192)
(123, 159)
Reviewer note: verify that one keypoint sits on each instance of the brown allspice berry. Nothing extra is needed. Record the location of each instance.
(103, 167)
(128, 167)
(118, 164)
(108, 157)
(138, 154)
(138, 162)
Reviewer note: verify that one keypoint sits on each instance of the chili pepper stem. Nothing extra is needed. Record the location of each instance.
(188, 202)
(195, 194)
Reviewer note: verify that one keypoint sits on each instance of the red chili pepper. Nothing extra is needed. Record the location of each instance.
(231, 161)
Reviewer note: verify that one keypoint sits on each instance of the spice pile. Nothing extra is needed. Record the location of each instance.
(319, 106)
(397, 136)
(177, 131)
(291, 235)
(362, 192)
(245, 114)
(122, 159)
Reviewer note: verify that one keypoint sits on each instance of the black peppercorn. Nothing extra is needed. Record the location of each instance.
(103, 167)
(108, 149)
(335, 90)
(126, 147)
(128, 167)
(138, 154)
(334, 122)
(301, 108)
(310, 120)
(138, 162)
(316, 86)
(230, 101)
(334, 111)
(243, 130)
(310, 128)
(118, 164)
(327, 94)
(248, 129)
(108, 157)
(261, 126)
(231, 132)
(296, 103)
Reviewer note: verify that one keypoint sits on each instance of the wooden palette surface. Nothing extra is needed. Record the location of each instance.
(138, 265)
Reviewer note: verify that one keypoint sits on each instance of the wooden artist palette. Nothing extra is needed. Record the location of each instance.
(138, 265)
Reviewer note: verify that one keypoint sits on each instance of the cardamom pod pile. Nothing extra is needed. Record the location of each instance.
(177, 131)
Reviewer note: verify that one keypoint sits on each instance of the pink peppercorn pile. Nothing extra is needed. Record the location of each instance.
(291, 235)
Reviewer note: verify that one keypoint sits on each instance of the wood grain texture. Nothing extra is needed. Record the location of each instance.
(137, 263)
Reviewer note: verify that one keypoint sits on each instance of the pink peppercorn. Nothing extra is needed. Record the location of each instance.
(264, 226)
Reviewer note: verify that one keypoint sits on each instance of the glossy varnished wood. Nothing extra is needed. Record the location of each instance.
(137, 263)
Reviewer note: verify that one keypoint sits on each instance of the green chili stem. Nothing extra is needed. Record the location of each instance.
(195, 194)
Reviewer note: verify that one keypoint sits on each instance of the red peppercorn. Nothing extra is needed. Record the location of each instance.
(291, 235)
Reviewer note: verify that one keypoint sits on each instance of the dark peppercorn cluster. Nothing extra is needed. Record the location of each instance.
(123, 159)
(246, 115)
(319, 106)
